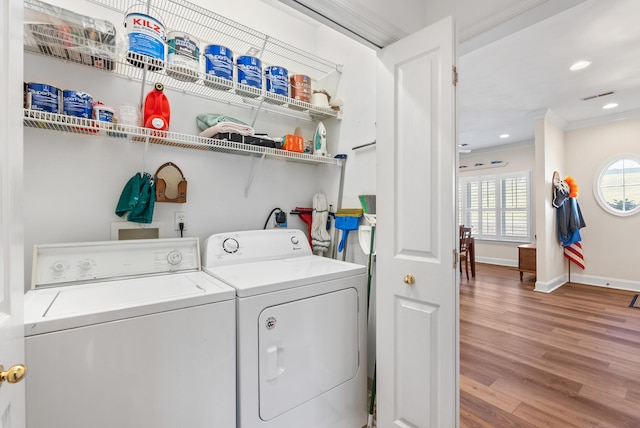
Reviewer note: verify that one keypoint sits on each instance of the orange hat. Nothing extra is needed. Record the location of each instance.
(573, 186)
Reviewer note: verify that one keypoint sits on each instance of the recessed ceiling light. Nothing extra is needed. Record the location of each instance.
(610, 105)
(504, 136)
(580, 65)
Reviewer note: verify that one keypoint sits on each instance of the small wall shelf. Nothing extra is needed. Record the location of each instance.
(62, 123)
(495, 164)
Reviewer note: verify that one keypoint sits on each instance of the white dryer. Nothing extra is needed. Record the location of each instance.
(128, 334)
(301, 330)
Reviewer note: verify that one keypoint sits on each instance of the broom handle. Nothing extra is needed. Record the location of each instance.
(369, 262)
(373, 399)
(373, 384)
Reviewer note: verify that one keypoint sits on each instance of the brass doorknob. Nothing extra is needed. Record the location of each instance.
(409, 279)
(15, 373)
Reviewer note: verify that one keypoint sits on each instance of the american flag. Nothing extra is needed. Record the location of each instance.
(574, 253)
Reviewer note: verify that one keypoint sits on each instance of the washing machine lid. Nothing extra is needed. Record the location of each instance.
(250, 279)
(65, 307)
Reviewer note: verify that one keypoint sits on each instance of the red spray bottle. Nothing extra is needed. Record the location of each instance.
(156, 109)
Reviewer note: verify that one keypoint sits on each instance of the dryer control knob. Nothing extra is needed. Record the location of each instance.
(294, 240)
(230, 245)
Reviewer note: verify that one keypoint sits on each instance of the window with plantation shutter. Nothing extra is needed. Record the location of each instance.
(497, 207)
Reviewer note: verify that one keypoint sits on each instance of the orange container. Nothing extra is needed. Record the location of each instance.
(156, 109)
(293, 143)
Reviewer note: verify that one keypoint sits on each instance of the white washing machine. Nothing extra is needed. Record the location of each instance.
(301, 322)
(128, 334)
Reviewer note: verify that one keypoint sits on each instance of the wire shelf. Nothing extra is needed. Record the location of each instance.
(88, 47)
(76, 125)
(209, 27)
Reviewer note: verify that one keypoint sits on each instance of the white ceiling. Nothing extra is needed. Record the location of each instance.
(514, 57)
(505, 85)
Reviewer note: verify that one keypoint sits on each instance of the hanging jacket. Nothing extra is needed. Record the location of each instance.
(138, 199)
(570, 221)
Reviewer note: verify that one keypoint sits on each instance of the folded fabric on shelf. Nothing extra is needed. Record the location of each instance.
(224, 127)
(206, 121)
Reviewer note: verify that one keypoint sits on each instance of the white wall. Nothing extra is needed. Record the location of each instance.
(609, 242)
(357, 88)
(72, 182)
(517, 157)
(550, 157)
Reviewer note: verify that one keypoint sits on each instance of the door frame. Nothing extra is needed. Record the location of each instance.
(12, 396)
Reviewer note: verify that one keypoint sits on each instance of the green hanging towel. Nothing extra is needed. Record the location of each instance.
(138, 199)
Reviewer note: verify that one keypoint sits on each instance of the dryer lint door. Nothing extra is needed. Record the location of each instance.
(306, 347)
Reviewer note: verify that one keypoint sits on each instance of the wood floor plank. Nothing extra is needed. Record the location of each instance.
(605, 344)
(633, 396)
(500, 340)
(621, 405)
(556, 371)
(494, 397)
(540, 418)
(567, 408)
(570, 358)
(520, 370)
(486, 415)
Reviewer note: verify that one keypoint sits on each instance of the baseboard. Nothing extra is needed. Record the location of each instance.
(599, 281)
(549, 286)
(496, 261)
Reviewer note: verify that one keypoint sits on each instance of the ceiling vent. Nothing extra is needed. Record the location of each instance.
(604, 94)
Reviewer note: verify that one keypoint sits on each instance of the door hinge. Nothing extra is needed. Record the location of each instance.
(455, 76)
(455, 258)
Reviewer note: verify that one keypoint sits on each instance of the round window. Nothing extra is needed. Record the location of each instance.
(617, 185)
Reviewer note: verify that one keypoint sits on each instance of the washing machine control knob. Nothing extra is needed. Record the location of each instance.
(294, 240)
(174, 257)
(230, 245)
(59, 266)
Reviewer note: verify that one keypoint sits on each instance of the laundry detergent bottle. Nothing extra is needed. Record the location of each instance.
(156, 109)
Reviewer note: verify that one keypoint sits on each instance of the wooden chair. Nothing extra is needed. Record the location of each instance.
(465, 242)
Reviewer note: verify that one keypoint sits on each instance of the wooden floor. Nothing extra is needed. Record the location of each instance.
(570, 358)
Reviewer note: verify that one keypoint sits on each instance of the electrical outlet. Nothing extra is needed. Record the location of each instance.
(280, 219)
(180, 217)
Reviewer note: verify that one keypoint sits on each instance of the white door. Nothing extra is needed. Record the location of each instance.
(12, 402)
(417, 295)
